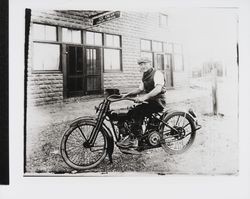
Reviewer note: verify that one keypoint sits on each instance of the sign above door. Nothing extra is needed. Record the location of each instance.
(106, 17)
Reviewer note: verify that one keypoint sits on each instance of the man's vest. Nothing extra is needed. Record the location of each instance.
(149, 85)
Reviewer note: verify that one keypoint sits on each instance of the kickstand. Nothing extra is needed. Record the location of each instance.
(110, 158)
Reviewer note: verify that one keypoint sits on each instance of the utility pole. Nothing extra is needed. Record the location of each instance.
(214, 89)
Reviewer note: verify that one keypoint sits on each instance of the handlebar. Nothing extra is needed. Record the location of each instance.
(120, 99)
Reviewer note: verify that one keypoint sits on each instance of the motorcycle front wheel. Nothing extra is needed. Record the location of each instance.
(179, 134)
(76, 150)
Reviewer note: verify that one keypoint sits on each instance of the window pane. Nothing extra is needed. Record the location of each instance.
(112, 59)
(116, 41)
(46, 56)
(168, 47)
(178, 64)
(168, 61)
(90, 38)
(66, 35)
(163, 20)
(71, 36)
(98, 39)
(157, 46)
(145, 45)
(76, 36)
(50, 33)
(109, 40)
(177, 48)
(44, 32)
(148, 55)
(93, 38)
(159, 62)
(38, 32)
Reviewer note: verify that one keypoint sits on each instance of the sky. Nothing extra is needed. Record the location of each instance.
(206, 34)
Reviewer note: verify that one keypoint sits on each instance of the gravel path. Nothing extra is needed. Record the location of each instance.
(215, 150)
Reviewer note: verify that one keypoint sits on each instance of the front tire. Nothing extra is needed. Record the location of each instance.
(75, 149)
(173, 142)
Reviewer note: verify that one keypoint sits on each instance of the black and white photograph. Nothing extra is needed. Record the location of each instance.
(125, 99)
(112, 92)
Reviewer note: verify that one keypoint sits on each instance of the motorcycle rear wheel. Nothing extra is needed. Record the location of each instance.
(75, 150)
(173, 142)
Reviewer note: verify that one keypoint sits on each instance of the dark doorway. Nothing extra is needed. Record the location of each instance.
(83, 66)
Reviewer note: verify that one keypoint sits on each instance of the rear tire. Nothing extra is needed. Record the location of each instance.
(75, 150)
(177, 143)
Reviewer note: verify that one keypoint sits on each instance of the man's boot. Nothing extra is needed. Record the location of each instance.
(128, 142)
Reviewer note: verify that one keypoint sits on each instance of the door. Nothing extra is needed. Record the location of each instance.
(93, 65)
(83, 66)
(75, 72)
(163, 62)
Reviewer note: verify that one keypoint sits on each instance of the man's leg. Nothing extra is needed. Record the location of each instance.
(139, 113)
(137, 116)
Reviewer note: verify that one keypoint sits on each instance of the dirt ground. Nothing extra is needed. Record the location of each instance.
(214, 151)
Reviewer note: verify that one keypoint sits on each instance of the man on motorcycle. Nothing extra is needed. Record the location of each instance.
(153, 83)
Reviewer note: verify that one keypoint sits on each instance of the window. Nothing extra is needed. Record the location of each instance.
(112, 40)
(177, 48)
(146, 49)
(44, 32)
(157, 46)
(93, 38)
(46, 56)
(148, 55)
(163, 20)
(112, 53)
(168, 47)
(46, 53)
(159, 61)
(71, 36)
(112, 59)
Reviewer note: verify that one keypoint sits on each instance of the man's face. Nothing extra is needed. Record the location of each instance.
(144, 67)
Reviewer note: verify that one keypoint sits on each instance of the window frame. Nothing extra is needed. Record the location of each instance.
(115, 48)
(152, 51)
(84, 38)
(156, 51)
(72, 29)
(59, 41)
(161, 25)
(59, 70)
(35, 23)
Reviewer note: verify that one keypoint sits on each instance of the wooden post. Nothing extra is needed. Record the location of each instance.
(214, 90)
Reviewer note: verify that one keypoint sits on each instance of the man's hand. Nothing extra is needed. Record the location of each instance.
(124, 95)
(141, 99)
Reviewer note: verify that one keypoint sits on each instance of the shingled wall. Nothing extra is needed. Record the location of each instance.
(44, 88)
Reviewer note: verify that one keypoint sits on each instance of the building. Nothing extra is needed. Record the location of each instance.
(77, 53)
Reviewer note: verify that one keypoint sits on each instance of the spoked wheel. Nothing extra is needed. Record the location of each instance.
(180, 133)
(76, 150)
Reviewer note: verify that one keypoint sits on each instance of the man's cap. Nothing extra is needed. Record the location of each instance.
(143, 60)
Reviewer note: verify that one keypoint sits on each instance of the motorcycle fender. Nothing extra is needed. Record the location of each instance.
(107, 131)
(78, 120)
(185, 112)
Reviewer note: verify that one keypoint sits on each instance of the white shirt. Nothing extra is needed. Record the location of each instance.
(158, 80)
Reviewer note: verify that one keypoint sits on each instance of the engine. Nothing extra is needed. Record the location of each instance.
(124, 127)
(154, 138)
(120, 118)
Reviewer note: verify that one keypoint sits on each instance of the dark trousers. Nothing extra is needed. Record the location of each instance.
(138, 114)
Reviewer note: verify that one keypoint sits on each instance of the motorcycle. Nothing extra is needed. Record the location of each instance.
(88, 140)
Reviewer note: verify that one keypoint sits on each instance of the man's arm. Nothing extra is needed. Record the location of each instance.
(153, 93)
(134, 92)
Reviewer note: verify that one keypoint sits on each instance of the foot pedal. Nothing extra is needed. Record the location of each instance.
(130, 151)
